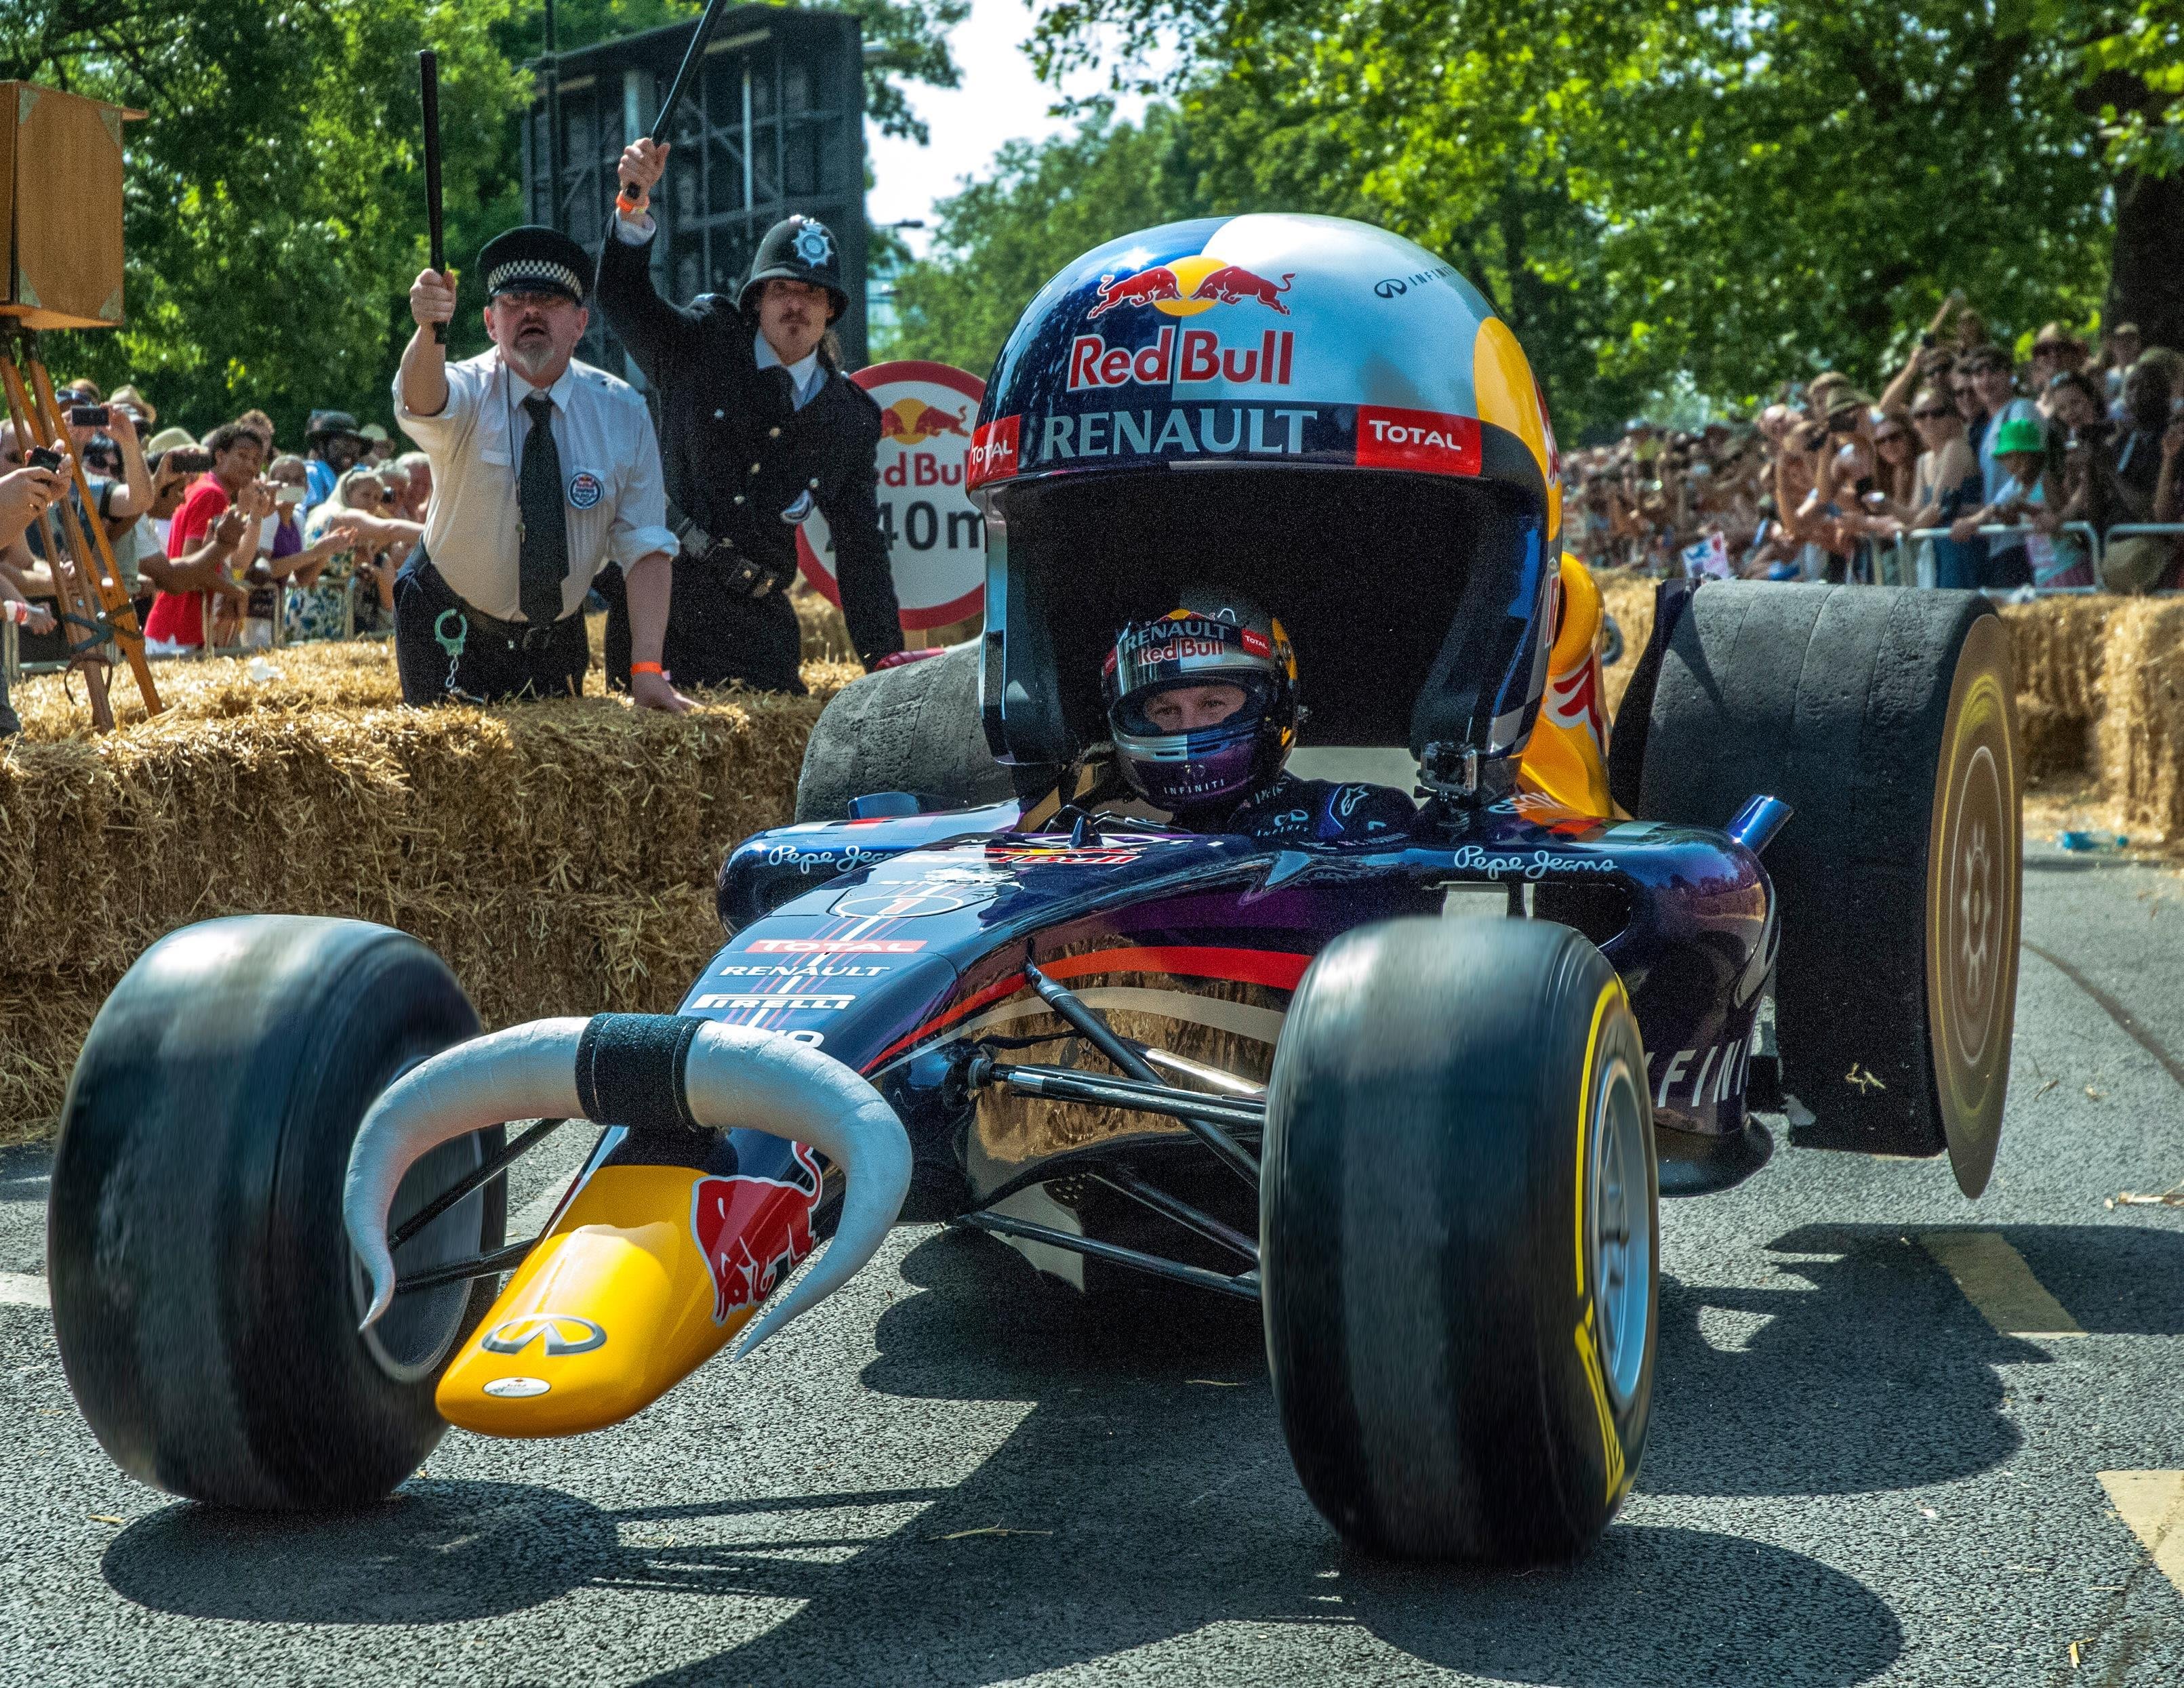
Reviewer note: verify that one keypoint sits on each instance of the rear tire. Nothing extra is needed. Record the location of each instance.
(909, 728)
(205, 1296)
(1886, 717)
(1460, 1239)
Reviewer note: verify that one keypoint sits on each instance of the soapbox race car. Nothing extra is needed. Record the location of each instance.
(1416, 1095)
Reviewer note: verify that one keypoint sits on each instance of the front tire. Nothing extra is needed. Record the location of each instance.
(205, 1296)
(1459, 1238)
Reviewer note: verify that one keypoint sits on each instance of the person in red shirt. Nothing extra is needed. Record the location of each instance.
(210, 542)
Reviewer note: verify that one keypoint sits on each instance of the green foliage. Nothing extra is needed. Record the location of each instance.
(275, 213)
(1003, 237)
(1673, 189)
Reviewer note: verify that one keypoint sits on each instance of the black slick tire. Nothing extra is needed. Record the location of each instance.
(1886, 717)
(913, 729)
(1459, 1238)
(204, 1295)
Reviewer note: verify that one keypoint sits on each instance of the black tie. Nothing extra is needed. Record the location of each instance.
(784, 387)
(543, 558)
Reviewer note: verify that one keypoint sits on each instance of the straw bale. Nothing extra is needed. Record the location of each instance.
(2140, 735)
(826, 635)
(1629, 599)
(2057, 645)
(560, 856)
(2055, 742)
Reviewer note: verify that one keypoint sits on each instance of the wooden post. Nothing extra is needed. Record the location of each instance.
(98, 580)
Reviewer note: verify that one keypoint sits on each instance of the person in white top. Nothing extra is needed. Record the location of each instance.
(544, 469)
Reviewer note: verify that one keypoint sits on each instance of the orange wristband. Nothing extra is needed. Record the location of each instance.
(647, 668)
(632, 209)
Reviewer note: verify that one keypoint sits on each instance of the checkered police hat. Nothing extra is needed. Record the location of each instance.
(535, 259)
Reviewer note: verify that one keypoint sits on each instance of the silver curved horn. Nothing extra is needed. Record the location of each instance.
(736, 1076)
(526, 1072)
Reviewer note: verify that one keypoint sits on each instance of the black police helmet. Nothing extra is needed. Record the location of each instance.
(798, 249)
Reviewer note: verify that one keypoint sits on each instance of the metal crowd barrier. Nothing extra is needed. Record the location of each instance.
(2096, 546)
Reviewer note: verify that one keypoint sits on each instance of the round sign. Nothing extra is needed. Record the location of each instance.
(936, 537)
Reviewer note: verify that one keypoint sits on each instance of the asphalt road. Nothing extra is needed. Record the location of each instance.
(950, 1476)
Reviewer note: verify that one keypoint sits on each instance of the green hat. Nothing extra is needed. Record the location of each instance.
(2020, 434)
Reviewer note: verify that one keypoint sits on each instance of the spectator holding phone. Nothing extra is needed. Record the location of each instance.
(214, 538)
(2124, 480)
(2026, 495)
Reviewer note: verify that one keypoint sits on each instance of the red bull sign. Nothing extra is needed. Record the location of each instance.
(936, 537)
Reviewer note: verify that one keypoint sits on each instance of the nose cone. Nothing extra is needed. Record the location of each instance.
(609, 1312)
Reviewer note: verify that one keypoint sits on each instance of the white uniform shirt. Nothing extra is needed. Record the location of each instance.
(612, 490)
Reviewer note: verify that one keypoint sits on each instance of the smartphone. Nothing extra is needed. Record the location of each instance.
(89, 416)
(1842, 422)
(188, 459)
(43, 456)
(289, 494)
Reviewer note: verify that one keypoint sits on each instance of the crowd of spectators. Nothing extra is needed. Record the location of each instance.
(215, 538)
(1831, 483)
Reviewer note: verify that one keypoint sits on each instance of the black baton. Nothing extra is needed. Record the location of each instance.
(428, 84)
(681, 84)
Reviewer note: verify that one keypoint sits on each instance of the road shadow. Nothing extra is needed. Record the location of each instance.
(434, 1553)
(1868, 1369)
(1148, 1496)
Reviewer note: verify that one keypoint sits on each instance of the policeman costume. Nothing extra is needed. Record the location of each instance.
(534, 491)
(751, 452)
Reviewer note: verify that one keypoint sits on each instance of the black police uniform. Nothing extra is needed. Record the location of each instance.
(743, 464)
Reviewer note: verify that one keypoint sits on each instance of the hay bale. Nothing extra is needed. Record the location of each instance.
(2055, 743)
(560, 855)
(2141, 733)
(1629, 599)
(826, 635)
(2058, 644)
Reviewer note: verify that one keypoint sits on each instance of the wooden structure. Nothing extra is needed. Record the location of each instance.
(60, 267)
(60, 207)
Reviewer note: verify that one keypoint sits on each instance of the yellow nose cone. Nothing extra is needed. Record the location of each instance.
(611, 1310)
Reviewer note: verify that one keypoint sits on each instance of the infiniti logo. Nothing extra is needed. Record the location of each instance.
(564, 1334)
(1393, 287)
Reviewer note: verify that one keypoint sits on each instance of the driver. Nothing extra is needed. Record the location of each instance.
(1202, 706)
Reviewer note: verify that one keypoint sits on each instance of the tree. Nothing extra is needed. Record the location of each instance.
(1740, 196)
(1003, 238)
(273, 197)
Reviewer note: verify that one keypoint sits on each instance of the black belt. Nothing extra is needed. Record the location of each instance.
(521, 635)
(739, 573)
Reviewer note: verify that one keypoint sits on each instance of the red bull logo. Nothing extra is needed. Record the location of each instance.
(1188, 285)
(752, 1230)
(912, 421)
(1198, 358)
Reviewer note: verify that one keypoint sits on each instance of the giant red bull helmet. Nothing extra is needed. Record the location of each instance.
(1306, 411)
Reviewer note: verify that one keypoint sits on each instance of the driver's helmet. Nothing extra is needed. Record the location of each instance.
(1207, 639)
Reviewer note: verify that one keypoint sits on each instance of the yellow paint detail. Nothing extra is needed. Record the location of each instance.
(1996, 1280)
(623, 1257)
(1506, 395)
(1566, 758)
(1188, 273)
(1611, 1445)
(2152, 1504)
(1587, 1347)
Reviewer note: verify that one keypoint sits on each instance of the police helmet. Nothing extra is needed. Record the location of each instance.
(798, 249)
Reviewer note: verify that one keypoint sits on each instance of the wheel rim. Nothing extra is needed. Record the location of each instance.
(1619, 1240)
(416, 1332)
(1972, 916)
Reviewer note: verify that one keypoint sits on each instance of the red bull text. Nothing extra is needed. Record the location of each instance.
(1198, 358)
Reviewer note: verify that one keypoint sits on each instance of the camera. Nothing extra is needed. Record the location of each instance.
(1842, 422)
(187, 459)
(43, 456)
(89, 416)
